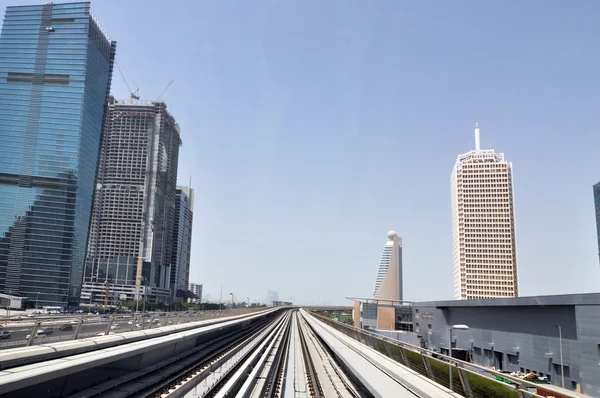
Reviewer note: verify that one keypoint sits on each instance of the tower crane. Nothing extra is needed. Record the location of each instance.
(133, 95)
(165, 90)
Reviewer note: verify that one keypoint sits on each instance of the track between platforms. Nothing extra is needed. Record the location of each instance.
(292, 358)
(289, 353)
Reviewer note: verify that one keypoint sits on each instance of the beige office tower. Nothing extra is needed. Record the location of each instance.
(483, 225)
(388, 284)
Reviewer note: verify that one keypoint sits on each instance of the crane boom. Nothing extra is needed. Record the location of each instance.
(132, 95)
(165, 90)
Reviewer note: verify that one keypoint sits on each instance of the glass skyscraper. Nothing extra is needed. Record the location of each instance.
(182, 242)
(597, 203)
(55, 73)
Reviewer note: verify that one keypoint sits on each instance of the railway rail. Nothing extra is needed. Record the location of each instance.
(290, 358)
(285, 353)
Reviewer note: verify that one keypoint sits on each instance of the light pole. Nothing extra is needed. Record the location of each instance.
(137, 290)
(144, 293)
(137, 297)
(221, 298)
(247, 301)
(562, 369)
(36, 300)
(9, 302)
(457, 327)
(231, 300)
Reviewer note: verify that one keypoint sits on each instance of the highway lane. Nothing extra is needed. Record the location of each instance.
(19, 332)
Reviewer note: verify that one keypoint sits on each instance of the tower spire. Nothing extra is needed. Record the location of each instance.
(477, 138)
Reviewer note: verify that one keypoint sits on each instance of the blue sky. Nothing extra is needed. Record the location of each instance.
(311, 128)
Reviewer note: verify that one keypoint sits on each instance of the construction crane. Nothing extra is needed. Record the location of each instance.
(165, 90)
(133, 95)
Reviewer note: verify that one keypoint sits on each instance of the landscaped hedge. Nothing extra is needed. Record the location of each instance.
(481, 386)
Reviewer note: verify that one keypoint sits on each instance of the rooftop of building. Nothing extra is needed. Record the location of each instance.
(552, 300)
(535, 301)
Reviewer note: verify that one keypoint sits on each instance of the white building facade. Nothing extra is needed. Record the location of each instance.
(483, 225)
(196, 288)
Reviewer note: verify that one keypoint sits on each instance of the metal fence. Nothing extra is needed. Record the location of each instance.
(466, 379)
(29, 328)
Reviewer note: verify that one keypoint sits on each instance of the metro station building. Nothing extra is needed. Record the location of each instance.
(521, 334)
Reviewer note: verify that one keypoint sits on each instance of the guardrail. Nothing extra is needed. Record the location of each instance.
(435, 366)
(134, 322)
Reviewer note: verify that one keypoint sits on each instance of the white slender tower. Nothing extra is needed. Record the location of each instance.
(388, 284)
(483, 226)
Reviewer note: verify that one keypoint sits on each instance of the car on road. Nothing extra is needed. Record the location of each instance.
(65, 327)
(4, 334)
(103, 333)
(113, 327)
(38, 334)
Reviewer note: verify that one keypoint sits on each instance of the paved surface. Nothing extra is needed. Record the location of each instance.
(19, 330)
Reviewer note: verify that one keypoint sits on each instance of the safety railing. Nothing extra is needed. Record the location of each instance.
(41, 330)
(466, 379)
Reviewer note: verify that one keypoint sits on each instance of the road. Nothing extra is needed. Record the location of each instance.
(92, 326)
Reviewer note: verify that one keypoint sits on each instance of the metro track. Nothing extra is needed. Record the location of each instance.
(286, 353)
(288, 359)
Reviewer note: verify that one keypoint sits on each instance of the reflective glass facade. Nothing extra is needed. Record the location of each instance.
(597, 203)
(55, 73)
(182, 243)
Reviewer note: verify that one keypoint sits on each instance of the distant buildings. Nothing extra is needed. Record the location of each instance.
(196, 289)
(182, 242)
(272, 297)
(597, 204)
(130, 243)
(388, 284)
(282, 303)
(56, 66)
(483, 225)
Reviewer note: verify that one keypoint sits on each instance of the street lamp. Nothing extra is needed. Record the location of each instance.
(562, 369)
(9, 302)
(36, 300)
(231, 300)
(137, 291)
(247, 301)
(144, 294)
(457, 327)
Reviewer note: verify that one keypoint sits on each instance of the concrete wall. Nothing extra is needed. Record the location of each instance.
(522, 338)
(356, 314)
(386, 318)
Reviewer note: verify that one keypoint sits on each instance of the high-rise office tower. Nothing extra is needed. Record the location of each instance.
(483, 225)
(56, 67)
(130, 244)
(182, 242)
(388, 284)
(597, 204)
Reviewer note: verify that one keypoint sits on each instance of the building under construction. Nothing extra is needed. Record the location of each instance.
(130, 241)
